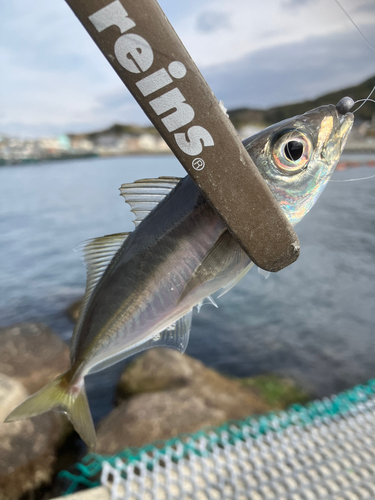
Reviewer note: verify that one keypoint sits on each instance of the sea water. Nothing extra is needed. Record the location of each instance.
(314, 321)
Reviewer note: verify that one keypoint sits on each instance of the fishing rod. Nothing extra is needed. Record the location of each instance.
(140, 44)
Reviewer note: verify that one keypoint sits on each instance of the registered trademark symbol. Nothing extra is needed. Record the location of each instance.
(198, 164)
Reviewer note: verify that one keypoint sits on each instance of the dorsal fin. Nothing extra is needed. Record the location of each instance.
(145, 194)
(96, 255)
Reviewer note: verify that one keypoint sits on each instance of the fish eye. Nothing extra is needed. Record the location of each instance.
(292, 152)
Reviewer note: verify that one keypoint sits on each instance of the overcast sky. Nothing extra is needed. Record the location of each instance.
(252, 53)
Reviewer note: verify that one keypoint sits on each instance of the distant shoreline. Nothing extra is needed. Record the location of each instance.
(346, 161)
(31, 161)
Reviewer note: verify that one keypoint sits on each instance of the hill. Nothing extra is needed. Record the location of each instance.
(262, 117)
(243, 116)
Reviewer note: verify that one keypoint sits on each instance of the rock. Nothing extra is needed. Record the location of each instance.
(157, 370)
(12, 393)
(148, 417)
(32, 354)
(278, 392)
(172, 394)
(164, 369)
(27, 447)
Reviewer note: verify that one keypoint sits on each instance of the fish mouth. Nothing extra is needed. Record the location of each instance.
(346, 124)
(346, 118)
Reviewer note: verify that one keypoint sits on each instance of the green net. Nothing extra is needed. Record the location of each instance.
(339, 414)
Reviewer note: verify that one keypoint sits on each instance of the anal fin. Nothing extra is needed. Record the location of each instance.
(176, 336)
(206, 300)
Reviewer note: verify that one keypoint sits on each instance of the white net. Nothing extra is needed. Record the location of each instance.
(324, 452)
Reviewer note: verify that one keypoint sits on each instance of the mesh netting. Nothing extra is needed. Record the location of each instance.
(325, 450)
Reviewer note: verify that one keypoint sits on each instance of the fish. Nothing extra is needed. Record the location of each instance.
(142, 286)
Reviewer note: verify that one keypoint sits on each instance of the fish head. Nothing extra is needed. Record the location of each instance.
(296, 157)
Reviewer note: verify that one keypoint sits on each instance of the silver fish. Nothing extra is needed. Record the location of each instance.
(142, 287)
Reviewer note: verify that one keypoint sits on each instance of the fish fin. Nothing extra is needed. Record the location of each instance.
(219, 256)
(264, 273)
(59, 395)
(235, 280)
(206, 300)
(176, 336)
(96, 255)
(144, 195)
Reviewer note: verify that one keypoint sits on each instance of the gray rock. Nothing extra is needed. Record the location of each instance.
(157, 370)
(165, 369)
(12, 393)
(169, 394)
(27, 447)
(148, 417)
(32, 354)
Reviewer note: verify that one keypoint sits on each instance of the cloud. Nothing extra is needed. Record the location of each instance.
(366, 7)
(296, 3)
(291, 72)
(54, 78)
(212, 21)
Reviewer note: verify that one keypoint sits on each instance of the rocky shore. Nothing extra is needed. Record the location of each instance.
(30, 356)
(159, 395)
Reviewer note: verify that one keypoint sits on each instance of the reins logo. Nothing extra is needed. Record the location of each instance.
(135, 55)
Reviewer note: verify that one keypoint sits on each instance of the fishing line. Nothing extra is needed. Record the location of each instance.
(343, 180)
(365, 100)
(355, 25)
(353, 180)
(368, 43)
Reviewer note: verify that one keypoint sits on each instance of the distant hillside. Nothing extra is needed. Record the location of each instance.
(116, 130)
(242, 116)
(262, 117)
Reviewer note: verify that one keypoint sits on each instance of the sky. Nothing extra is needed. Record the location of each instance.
(252, 53)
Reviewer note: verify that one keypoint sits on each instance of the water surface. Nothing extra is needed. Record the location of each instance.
(313, 321)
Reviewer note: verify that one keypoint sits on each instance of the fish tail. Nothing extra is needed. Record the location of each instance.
(61, 395)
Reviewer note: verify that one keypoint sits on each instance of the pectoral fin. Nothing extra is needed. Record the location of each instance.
(218, 258)
(235, 280)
